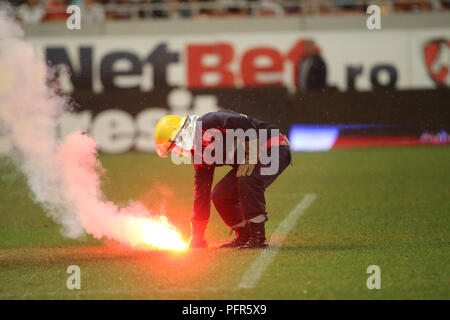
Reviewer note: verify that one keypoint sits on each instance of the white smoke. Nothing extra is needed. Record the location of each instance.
(64, 177)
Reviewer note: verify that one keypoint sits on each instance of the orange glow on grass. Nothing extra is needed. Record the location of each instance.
(155, 233)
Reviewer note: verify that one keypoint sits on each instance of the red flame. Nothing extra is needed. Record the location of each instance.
(155, 233)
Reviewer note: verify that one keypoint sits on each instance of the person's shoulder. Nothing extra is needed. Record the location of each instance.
(229, 113)
(207, 116)
(217, 113)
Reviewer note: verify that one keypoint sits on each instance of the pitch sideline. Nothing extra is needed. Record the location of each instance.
(253, 274)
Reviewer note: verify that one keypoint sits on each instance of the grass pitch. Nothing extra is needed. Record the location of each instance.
(386, 207)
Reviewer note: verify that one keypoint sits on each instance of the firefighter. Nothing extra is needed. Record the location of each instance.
(216, 139)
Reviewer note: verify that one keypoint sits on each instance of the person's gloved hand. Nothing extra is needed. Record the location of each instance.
(251, 159)
(245, 169)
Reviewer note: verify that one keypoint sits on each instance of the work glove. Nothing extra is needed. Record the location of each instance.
(244, 170)
(251, 159)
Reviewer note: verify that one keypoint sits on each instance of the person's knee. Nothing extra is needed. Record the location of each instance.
(250, 183)
(217, 194)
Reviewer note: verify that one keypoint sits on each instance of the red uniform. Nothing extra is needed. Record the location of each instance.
(236, 199)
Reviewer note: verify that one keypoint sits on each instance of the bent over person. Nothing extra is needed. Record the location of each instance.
(257, 154)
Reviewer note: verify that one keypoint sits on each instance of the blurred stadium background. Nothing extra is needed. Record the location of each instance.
(311, 67)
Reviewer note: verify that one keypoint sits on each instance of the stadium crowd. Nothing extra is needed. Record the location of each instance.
(37, 11)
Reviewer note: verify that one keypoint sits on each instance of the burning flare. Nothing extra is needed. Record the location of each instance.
(159, 234)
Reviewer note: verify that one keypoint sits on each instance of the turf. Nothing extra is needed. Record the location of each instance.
(387, 207)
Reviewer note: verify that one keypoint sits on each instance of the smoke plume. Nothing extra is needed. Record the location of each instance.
(64, 176)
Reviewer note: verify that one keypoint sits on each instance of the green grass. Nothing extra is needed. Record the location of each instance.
(386, 207)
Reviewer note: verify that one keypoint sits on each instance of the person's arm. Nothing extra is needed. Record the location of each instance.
(203, 180)
(237, 121)
(251, 159)
(241, 121)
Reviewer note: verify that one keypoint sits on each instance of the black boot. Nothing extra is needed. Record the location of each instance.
(242, 236)
(257, 237)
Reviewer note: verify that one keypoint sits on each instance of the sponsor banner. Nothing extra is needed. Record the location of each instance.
(122, 121)
(123, 85)
(314, 121)
(360, 60)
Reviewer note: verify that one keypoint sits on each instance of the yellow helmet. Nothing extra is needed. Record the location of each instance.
(166, 131)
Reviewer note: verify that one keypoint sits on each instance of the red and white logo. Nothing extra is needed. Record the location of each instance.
(437, 61)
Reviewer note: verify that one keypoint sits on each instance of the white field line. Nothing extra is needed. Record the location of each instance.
(251, 277)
